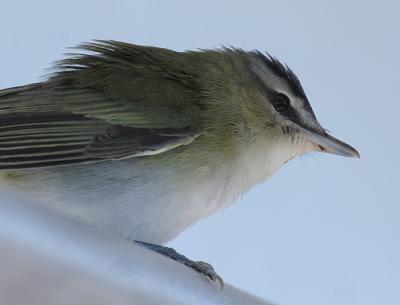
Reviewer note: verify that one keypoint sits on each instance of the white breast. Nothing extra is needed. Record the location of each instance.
(141, 203)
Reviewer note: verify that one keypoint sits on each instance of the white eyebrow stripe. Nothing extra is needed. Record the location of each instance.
(275, 83)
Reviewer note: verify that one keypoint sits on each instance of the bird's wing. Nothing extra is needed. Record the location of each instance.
(121, 102)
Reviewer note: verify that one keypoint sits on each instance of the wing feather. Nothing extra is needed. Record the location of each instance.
(54, 139)
(123, 101)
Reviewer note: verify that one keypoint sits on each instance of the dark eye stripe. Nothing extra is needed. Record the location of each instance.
(286, 74)
(290, 113)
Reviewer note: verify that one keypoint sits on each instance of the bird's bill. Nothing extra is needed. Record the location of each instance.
(327, 143)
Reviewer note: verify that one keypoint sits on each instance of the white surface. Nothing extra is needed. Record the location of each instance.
(48, 260)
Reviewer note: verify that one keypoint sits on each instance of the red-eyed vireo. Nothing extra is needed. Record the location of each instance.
(145, 141)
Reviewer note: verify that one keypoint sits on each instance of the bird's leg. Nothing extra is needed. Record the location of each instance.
(201, 267)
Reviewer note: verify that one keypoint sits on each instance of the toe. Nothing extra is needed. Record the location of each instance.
(207, 270)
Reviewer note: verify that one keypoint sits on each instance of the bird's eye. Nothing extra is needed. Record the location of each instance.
(280, 102)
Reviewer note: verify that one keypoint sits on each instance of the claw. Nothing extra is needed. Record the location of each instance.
(207, 270)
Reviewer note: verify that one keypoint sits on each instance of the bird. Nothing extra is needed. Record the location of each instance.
(143, 141)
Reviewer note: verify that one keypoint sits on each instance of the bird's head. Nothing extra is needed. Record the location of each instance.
(288, 111)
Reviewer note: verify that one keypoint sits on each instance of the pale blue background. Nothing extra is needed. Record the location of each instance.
(324, 230)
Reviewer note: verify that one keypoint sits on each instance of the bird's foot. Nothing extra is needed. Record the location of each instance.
(207, 270)
(201, 267)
